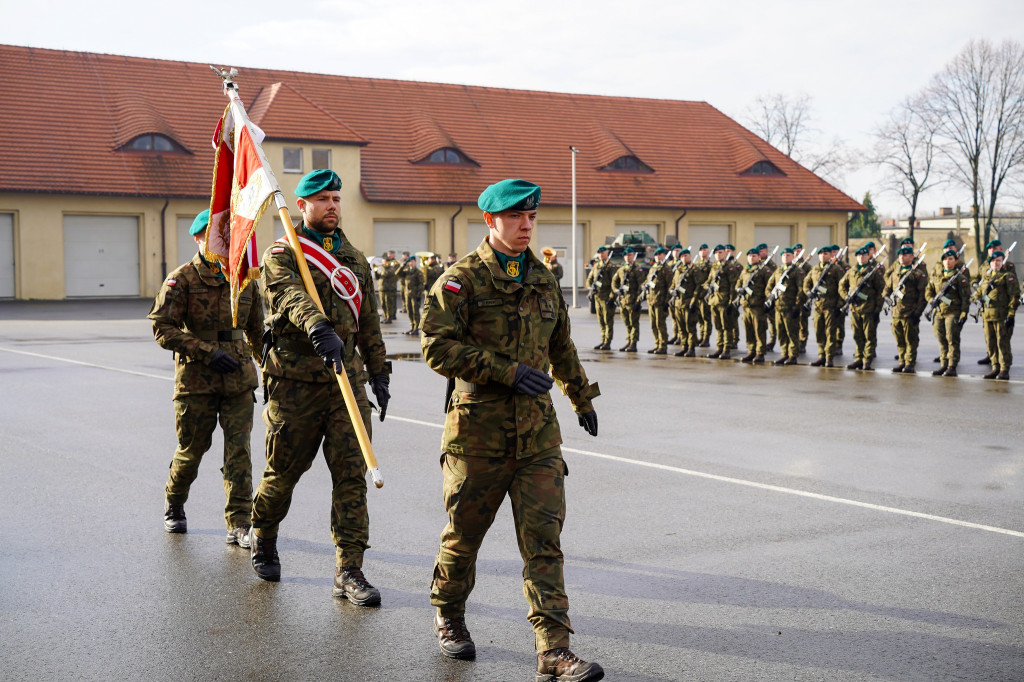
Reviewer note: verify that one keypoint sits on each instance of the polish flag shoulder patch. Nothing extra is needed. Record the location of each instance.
(453, 285)
(171, 282)
(277, 249)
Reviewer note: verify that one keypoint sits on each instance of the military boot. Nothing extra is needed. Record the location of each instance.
(562, 665)
(660, 350)
(939, 372)
(705, 342)
(985, 361)
(624, 348)
(781, 361)
(759, 359)
(681, 353)
(263, 553)
(992, 375)
(828, 361)
(820, 362)
(1004, 375)
(867, 366)
(453, 637)
(951, 372)
(350, 584)
(674, 341)
(937, 359)
(791, 360)
(714, 355)
(856, 364)
(239, 536)
(174, 518)
(632, 347)
(770, 346)
(748, 358)
(898, 368)
(599, 346)
(725, 356)
(691, 353)
(909, 368)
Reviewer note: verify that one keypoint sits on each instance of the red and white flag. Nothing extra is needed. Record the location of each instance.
(242, 189)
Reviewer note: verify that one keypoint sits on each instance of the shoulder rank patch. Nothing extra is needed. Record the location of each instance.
(171, 282)
(453, 285)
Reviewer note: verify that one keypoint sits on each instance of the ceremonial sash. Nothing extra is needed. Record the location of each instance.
(342, 279)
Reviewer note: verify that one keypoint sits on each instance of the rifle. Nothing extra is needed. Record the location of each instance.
(818, 289)
(941, 296)
(743, 291)
(713, 287)
(780, 286)
(845, 308)
(678, 291)
(897, 292)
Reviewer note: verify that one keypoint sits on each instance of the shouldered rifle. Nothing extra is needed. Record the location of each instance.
(818, 289)
(845, 308)
(897, 292)
(941, 296)
(742, 291)
(780, 286)
(713, 287)
(680, 289)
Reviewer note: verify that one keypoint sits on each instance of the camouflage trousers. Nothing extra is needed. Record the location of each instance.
(826, 331)
(755, 324)
(659, 325)
(413, 300)
(389, 303)
(865, 335)
(908, 336)
(677, 321)
(726, 334)
(947, 331)
(299, 415)
(605, 317)
(631, 320)
(195, 418)
(805, 328)
(787, 325)
(732, 315)
(704, 318)
(773, 332)
(474, 489)
(997, 341)
(687, 323)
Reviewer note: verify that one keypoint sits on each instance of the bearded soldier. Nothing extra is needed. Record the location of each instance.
(627, 285)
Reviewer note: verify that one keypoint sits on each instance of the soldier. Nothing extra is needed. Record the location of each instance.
(495, 325)
(907, 285)
(703, 263)
(412, 285)
(213, 377)
(600, 283)
(672, 261)
(951, 312)
(822, 285)
(658, 279)
(862, 287)
(552, 264)
(805, 313)
(627, 285)
(305, 352)
(387, 273)
(686, 289)
(998, 295)
(721, 283)
(783, 289)
(770, 267)
(453, 258)
(431, 271)
(751, 295)
(732, 313)
(844, 267)
(937, 270)
(402, 290)
(1008, 266)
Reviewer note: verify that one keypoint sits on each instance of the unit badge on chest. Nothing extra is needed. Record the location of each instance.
(512, 268)
(328, 243)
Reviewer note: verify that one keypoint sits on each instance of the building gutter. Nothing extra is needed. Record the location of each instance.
(681, 216)
(163, 240)
(452, 233)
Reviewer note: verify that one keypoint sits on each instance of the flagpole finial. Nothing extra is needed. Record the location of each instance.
(227, 76)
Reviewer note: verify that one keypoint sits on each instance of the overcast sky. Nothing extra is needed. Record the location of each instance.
(854, 60)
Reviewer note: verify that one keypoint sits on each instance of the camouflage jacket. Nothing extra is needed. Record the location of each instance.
(192, 303)
(387, 273)
(430, 275)
(999, 293)
(754, 277)
(478, 325)
(983, 267)
(957, 299)
(722, 281)
(627, 283)
(600, 279)
(659, 277)
(790, 293)
(291, 313)
(412, 277)
(829, 297)
(686, 283)
(913, 300)
(869, 299)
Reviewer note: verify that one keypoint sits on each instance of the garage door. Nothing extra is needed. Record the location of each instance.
(400, 236)
(818, 236)
(101, 255)
(475, 233)
(708, 234)
(6, 255)
(773, 235)
(186, 244)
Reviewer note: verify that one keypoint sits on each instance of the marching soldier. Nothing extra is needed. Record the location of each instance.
(600, 283)
(686, 290)
(627, 284)
(658, 279)
(305, 350)
(909, 303)
(998, 295)
(412, 285)
(784, 288)
(751, 289)
(951, 312)
(770, 267)
(431, 272)
(387, 273)
(805, 313)
(214, 376)
(495, 325)
(721, 283)
(703, 264)
(822, 284)
(864, 283)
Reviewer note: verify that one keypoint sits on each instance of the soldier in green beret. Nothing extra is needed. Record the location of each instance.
(704, 321)
(720, 285)
(305, 351)
(412, 285)
(387, 274)
(908, 284)
(786, 303)
(214, 377)
(822, 283)
(751, 293)
(998, 296)
(495, 325)
(673, 261)
(658, 279)
(951, 313)
(805, 313)
(628, 284)
(685, 290)
(864, 283)
(599, 281)
(769, 266)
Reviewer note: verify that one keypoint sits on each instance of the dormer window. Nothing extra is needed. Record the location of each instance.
(630, 164)
(448, 156)
(153, 142)
(763, 168)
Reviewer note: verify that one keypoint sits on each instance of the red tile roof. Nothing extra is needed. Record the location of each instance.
(64, 115)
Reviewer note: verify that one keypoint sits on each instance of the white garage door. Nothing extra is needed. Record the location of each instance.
(773, 235)
(186, 244)
(708, 234)
(475, 233)
(101, 255)
(400, 236)
(818, 236)
(6, 255)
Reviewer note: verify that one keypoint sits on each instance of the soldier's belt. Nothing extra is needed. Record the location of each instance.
(220, 334)
(299, 345)
(490, 388)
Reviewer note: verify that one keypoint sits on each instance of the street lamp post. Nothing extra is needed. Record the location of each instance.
(572, 227)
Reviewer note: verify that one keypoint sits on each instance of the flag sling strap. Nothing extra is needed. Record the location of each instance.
(342, 279)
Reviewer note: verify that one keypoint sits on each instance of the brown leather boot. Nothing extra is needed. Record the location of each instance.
(351, 584)
(453, 637)
(562, 665)
(1004, 375)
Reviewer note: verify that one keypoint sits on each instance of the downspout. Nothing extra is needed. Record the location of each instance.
(452, 234)
(681, 216)
(163, 240)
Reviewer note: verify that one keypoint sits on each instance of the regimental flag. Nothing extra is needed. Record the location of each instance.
(242, 189)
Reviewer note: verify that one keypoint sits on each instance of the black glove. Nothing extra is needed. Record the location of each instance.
(692, 307)
(961, 321)
(379, 383)
(1009, 323)
(223, 363)
(588, 420)
(795, 313)
(328, 345)
(531, 381)
(916, 319)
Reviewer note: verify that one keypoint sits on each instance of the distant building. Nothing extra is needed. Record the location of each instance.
(952, 223)
(105, 160)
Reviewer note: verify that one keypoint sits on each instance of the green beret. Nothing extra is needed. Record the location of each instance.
(870, 245)
(998, 254)
(798, 246)
(788, 250)
(994, 243)
(684, 251)
(755, 251)
(317, 180)
(702, 246)
(825, 249)
(718, 247)
(200, 223)
(600, 249)
(905, 249)
(660, 250)
(762, 245)
(906, 240)
(864, 251)
(509, 194)
(677, 245)
(949, 242)
(628, 249)
(834, 247)
(730, 247)
(950, 252)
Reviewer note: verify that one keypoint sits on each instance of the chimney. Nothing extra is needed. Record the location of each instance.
(946, 210)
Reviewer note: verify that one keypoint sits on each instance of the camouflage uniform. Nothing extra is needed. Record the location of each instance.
(704, 317)
(951, 312)
(1009, 267)
(430, 275)
(805, 313)
(826, 319)
(685, 292)
(721, 283)
(478, 325)
(600, 283)
(556, 270)
(865, 308)
(658, 280)
(412, 278)
(387, 273)
(999, 293)
(627, 283)
(305, 402)
(770, 268)
(906, 313)
(192, 317)
(755, 320)
(788, 307)
(732, 313)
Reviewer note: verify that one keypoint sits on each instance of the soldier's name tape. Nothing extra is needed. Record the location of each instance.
(626, 460)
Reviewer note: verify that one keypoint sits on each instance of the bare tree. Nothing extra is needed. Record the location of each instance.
(978, 101)
(785, 123)
(905, 147)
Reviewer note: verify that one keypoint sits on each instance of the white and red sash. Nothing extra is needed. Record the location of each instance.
(342, 279)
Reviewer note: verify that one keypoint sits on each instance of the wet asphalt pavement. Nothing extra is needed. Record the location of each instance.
(730, 522)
